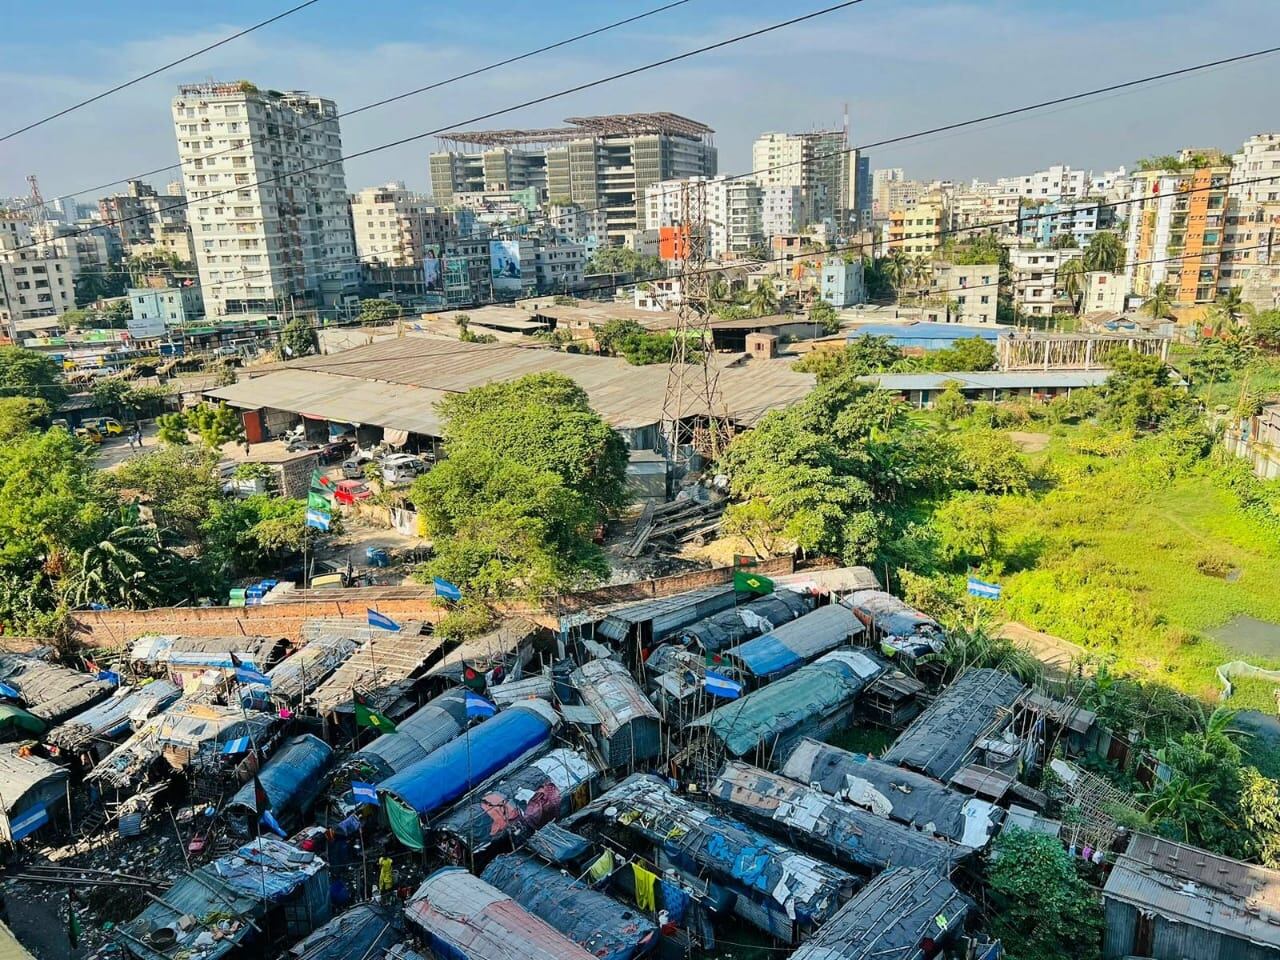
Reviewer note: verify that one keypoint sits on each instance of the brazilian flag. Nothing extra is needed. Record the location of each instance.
(748, 582)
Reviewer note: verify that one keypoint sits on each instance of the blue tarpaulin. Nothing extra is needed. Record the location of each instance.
(790, 646)
(431, 784)
(292, 778)
(767, 657)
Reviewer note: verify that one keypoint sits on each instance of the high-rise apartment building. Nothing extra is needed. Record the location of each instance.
(499, 169)
(268, 199)
(396, 233)
(782, 210)
(836, 180)
(1177, 226)
(36, 282)
(1059, 182)
(140, 214)
(1251, 244)
(596, 162)
(917, 231)
(733, 209)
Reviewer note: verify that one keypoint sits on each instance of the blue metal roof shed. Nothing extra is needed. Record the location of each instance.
(292, 778)
(927, 336)
(790, 646)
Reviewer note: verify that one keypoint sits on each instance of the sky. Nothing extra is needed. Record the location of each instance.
(900, 65)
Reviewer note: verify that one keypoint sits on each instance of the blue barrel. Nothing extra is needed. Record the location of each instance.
(377, 557)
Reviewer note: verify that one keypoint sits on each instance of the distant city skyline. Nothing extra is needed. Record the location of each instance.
(901, 67)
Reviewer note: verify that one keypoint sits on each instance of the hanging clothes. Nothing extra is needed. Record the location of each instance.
(385, 880)
(602, 867)
(645, 882)
(674, 900)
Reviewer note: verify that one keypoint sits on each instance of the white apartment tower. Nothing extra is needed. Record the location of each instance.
(734, 212)
(268, 200)
(834, 178)
(36, 282)
(1251, 245)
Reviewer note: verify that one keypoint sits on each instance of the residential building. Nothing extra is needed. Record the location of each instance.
(1059, 182)
(513, 269)
(842, 282)
(269, 214)
(1110, 185)
(834, 179)
(1176, 231)
(733, 209)
(579, 224)
(881, 181)
(559, 266)
(1108, 292)
(156, 310)
(1045, 223)
(36, 282)
(138, 213)
(1250, 260)
(970, 291)
(781, 210)
(605, 162)
(917, 231)
(1037, 289)
(466, 271)
(973, 212)
(396, 233)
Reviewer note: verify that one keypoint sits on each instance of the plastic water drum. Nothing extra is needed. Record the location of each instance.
(377, 557)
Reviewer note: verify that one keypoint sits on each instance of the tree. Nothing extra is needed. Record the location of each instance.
(1105, 252)
(824, 314)
(966, 355)
(216, 424)
(172, 429)
(19, 415)
(951, 404)
(179, 483)
(1071, 279)
(621, 260)
(640, 347)
(1199, 801)
(25, 373)
(1260, 816)
(298, 337)
(1064, 241)
(896, 268)
(92, 287)
(377, 310)
(254, 535)
(993, 464)
(1264, 329)
(967, 530)
(128, 567)
(1160, 304)
(1227, 313)
(861, 357)
(764, 298)
(1043, 910)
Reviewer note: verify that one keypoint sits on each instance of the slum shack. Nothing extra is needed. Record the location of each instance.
(379, 670)
(826, 826)
(900, 630)
(463, 918)
(775, 888)
(728, 628)
(502, 816)
(787, 648)
(17, 724)
(299, 674)
(817, 700)
(894, 792)
(903, 914)
(427, 788)
(266, 885)
(96, 729)
(184, 659)
(628, 730)
(603, 926)
(368, 931)
(50, 692)
(1169, 900)
(432, 725)
(636, 628)
(942, 739)
(33, 792)
(292, 779)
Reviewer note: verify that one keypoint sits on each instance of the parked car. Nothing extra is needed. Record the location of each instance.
(335, 451)
(353, 466)
(107, 426)
(349, 491)
(402, 468)
(89, 434)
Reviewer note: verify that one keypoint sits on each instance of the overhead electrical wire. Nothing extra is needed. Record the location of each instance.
(435, 85)
(151, 73)
(536, 101)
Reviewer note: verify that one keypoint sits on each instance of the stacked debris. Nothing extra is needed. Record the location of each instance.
(681, 521)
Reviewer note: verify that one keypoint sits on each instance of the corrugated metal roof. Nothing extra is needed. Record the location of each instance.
(51, 692)
(728, 627)
(432, 725)
(890, 919)
(126, 708)
(21, 776)
(306, 670)
(939, 741)
(155, 649)
(693, 604)
(292, 777)
(788, 646)
(1190, 885)
(462, 916)
(384, 658)
(365, 932)
(847, 833)
(607, 688)
(993, 380)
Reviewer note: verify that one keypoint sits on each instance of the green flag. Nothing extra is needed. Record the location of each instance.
(751, 582)
(318, 501)
(321, 483)
(404, 823)
(366, 716)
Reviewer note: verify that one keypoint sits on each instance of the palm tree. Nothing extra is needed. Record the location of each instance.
(1227, 313)
(1105, 252)
(1160, 304)
(126, 568)
(897, 269)
(718, 290)
(921, 274)
(764, 298)
(1071, 282)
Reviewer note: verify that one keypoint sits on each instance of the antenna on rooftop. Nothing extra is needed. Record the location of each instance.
(39, 213)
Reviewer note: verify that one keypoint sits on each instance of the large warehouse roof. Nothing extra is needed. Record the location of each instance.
(397, 383)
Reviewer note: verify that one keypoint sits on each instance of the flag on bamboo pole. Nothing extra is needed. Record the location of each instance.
(367, 716)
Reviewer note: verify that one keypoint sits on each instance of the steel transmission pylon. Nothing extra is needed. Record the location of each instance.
(693, 417)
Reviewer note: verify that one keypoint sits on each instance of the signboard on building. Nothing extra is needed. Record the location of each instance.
(433, 270)
(504, 267)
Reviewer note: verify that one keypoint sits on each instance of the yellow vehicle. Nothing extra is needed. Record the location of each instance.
(90, 434)
(107, 426)
(328, 580)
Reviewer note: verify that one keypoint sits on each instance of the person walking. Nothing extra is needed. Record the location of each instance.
(386, 882)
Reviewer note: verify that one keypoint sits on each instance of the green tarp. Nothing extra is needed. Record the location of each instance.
(404, 823)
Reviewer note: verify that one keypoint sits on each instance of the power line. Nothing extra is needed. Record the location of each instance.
(151, 73)
(401, 96)
(536, 101)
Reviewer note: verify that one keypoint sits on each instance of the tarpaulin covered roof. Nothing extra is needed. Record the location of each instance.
(555, 844)
(894, 792)
(788, 647)
(851, 834)
(602, 925)
(519, 803)
(384, 658)
(299, 674)
(607, 688)
(464, 918)
(729, 627)
(900, 628)
(292, 778)
(432, 725)
(19, 724)
(891, 918)
(257, 652)
(365, 932)
(939, 741)
(704, 842)
(667, 614)
(787, 705)
(26, 784)
(51, 692)
(439, 779)
(124, 710)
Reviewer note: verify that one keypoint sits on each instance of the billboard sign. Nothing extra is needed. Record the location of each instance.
(433, 270)
(504, 267)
